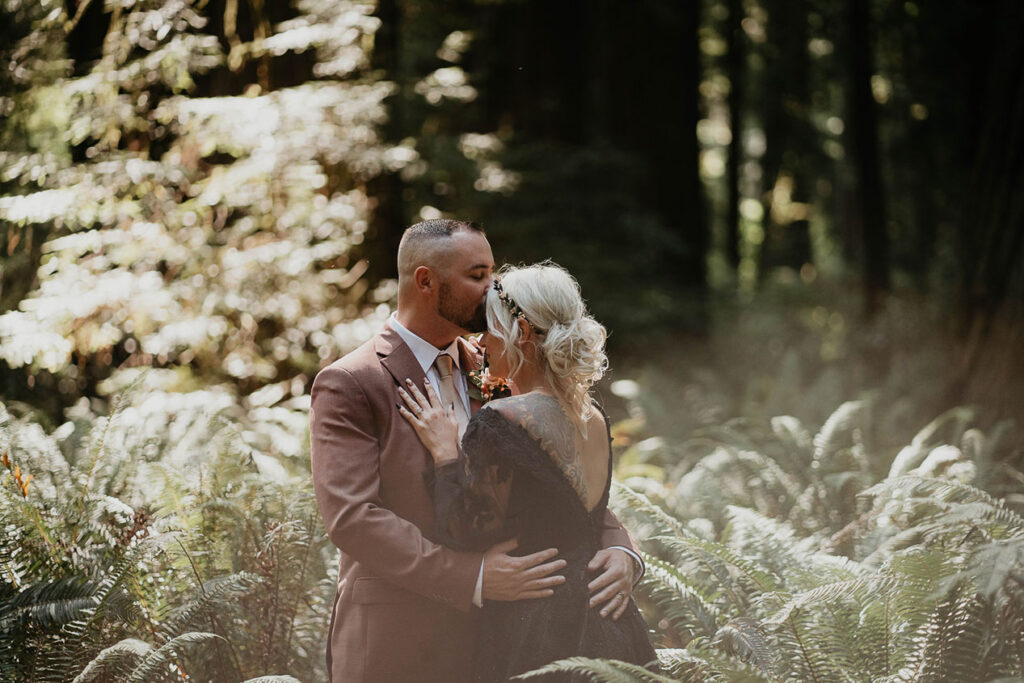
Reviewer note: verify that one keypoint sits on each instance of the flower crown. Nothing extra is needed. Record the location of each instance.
(511, 303)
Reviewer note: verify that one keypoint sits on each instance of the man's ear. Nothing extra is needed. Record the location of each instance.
(424, 279)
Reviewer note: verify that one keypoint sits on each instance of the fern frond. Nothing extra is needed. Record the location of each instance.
(607, 670)
(685, 666)
(679, 598)
(745, 638)
(837, 429)
(949, 645)
(726, 566)
(64, 662)
(775, 547)
(115, 662)
(701, 662)
(947, 490)
(213, 594)
(162, 656)
(48, 604)
(869, 587)
(792, 433)
(643, 505)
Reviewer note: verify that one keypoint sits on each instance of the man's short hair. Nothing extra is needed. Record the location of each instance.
(427, 244)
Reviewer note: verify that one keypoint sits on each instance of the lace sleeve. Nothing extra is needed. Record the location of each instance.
(471, 494)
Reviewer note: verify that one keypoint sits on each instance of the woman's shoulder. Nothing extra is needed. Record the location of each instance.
(524, 408)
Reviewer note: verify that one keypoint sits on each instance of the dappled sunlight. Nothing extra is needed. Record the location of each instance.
(798, 223)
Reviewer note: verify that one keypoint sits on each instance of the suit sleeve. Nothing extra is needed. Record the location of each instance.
(345, 459)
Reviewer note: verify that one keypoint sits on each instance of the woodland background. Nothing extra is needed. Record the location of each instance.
(802, 222)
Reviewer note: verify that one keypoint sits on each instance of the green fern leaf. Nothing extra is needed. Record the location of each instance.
(745, 638)
(114, 662)
(679, 598)
(837, 430)
(213, 594)
(607, 670)
(162, 656)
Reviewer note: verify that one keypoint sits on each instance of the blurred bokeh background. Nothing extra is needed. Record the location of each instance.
(772, 205)
(775, 206)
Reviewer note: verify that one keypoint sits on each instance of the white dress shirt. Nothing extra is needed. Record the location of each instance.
(426, 353)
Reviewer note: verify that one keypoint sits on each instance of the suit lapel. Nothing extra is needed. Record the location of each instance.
(398, 358)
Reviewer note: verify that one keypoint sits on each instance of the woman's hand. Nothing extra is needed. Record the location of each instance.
(434, 423)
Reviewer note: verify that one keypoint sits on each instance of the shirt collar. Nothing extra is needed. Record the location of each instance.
(424, 351)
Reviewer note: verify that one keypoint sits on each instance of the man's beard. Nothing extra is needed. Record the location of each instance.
(470, 319)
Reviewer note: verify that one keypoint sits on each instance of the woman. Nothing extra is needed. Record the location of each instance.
(535, 466)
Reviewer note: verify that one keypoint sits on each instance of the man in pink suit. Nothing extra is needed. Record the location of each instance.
(405, 604)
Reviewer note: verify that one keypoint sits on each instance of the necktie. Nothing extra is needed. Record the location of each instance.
(444, 363)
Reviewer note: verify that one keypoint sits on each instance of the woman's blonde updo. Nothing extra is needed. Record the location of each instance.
(570, 340)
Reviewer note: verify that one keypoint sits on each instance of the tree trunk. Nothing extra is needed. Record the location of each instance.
(991, 232)
(389, 216)
(862, 116)
(736, 68)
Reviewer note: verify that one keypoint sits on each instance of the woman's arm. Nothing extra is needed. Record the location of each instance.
(470, 496)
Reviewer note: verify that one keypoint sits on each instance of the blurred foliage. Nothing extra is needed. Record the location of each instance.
(217, 188)
(210, 235)
(153, 544)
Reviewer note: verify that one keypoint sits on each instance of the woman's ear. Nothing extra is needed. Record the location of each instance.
(525, 330)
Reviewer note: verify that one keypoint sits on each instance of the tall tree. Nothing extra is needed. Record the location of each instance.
(790, 138)
(864, 152)
(991, 224)
(736, 68)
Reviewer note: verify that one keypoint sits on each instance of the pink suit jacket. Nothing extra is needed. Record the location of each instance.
(403, 608)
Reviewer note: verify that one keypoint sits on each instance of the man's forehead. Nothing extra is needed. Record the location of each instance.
(472, 250)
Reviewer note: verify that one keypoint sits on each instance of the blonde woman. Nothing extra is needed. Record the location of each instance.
(535, 467)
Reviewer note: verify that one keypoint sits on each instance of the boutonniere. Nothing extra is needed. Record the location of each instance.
(483, 386)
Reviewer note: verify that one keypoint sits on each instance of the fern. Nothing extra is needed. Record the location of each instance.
(680, 599)
(114, 662)
(840, 428)
(745, 638)
(164, 655)
(606, 670)
(215, 594)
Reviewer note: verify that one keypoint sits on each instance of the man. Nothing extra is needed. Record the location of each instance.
(404, 606)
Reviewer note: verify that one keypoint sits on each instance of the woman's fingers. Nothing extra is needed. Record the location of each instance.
(432, 396)
(408, 415)
(414, 390)
(410, 402)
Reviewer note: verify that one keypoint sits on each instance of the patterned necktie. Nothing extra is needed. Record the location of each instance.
(444, 363)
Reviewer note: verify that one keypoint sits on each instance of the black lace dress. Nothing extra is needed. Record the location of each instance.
(506, 485)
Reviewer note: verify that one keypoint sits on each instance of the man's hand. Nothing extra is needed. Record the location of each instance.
(613, 585)
(509, 578)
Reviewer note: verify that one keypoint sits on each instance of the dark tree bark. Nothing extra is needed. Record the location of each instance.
(736, 68)
(863, 148)
(991, 230)
(389, 217)
(789, 136)
(679, 173)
